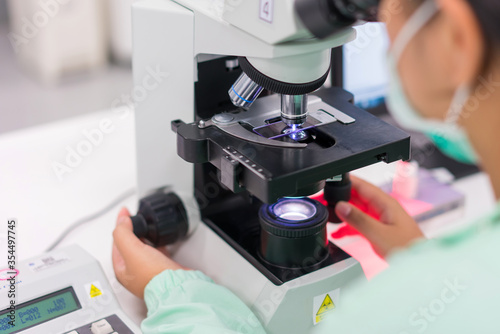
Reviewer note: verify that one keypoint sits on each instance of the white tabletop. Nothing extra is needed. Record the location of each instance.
(45, 204)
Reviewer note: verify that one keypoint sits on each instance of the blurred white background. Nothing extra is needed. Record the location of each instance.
(53, 75)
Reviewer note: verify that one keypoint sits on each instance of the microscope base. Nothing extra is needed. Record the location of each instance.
(292, 307)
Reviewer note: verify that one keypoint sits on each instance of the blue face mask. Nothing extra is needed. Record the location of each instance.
(447, 135)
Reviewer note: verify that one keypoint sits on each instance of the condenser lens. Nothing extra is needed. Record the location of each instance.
(294, 209)
(293, 232)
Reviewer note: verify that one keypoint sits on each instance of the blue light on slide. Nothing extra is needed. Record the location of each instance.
(365, 70)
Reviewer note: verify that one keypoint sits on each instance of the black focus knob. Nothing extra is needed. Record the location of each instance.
(336, 191)
(161, 219)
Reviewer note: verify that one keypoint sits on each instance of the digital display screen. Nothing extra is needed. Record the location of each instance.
(39, 310)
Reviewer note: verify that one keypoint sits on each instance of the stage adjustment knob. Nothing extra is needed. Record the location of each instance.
(161, 219)
(336, 191)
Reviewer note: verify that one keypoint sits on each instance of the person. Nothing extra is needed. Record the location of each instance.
(444, 63)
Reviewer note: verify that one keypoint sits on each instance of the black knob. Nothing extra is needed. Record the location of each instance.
(336, 191)
(161, 219)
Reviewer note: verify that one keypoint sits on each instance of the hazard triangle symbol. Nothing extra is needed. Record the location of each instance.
(94, 291)
(326, 306)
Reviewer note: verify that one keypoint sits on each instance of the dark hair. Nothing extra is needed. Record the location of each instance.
(488, 15)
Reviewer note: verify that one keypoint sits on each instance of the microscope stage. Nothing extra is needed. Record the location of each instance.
(270, 172)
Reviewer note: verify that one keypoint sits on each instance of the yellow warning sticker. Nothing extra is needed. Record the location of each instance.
(93, 289)
(324, 304)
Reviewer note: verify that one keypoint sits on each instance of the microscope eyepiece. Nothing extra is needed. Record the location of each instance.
(324, 17)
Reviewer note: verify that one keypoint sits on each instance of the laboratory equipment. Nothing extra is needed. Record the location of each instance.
(63, 291)
(239, 88)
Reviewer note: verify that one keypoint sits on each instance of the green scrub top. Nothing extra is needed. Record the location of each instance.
(445, 285)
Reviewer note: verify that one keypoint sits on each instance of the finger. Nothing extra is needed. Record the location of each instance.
(127, 243)
(372, 229)
(370, 198)
(123, 212)
(358, 202)
(367, 191)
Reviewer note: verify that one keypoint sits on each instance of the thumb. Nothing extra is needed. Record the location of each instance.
(128, 245)
(363, 223)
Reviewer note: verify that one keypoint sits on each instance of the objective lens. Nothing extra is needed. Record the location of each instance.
(293, 232)
(293, 109)
(244, 91)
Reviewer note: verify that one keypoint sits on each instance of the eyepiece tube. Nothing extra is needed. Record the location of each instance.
(244, 91)
(324, 17)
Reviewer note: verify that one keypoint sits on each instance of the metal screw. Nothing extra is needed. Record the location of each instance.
(232, 64)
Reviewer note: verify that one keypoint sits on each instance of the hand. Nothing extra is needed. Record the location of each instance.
(136, 263)
(385, 224)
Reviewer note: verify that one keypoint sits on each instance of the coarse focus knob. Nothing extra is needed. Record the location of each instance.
(336, 191)
(161, 219)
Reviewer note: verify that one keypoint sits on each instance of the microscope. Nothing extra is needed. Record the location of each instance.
(237, 137)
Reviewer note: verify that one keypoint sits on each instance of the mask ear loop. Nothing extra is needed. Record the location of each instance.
(415, 23)
(456, 107)
(458, 104)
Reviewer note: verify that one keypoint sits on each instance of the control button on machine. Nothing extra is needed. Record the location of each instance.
(101, 327)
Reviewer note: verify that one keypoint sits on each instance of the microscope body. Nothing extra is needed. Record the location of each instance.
(223, 168)
(172, 38)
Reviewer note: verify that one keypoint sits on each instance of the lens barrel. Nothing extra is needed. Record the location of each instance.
(293, 232)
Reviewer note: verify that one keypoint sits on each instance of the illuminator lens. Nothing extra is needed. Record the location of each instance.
(294, 209)
(293, 233)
